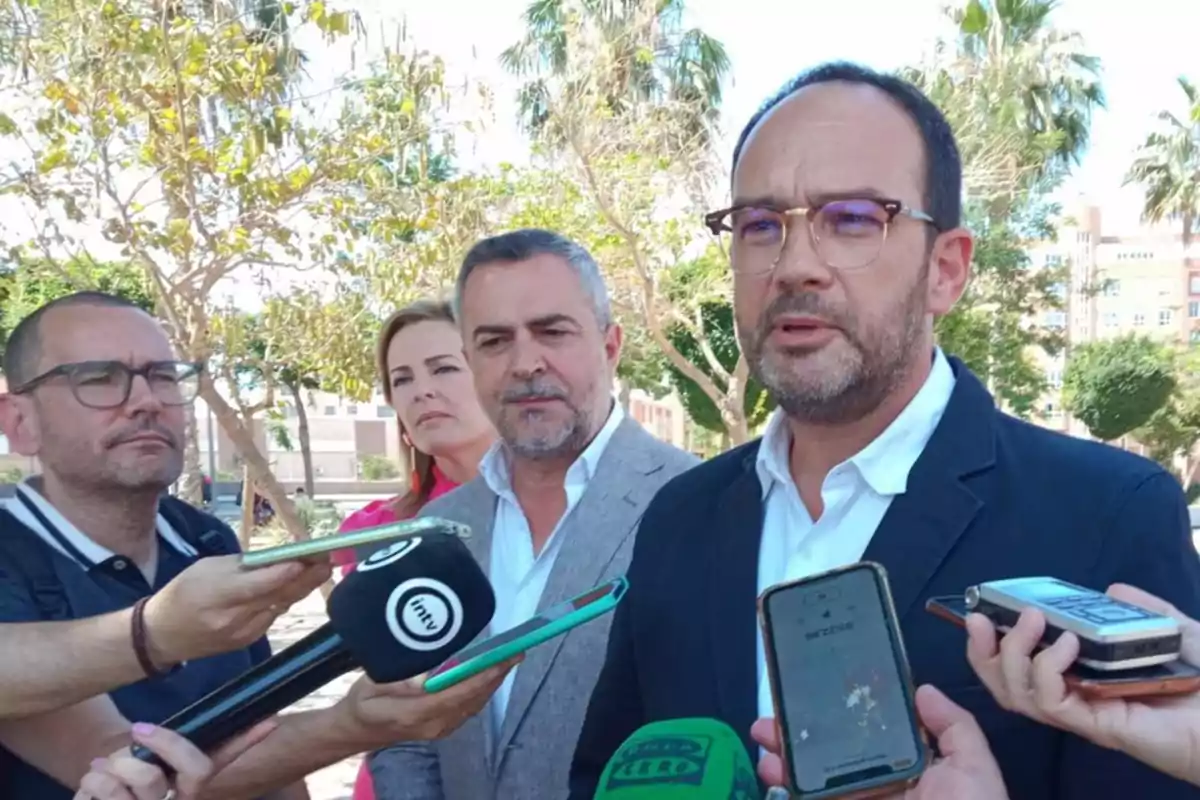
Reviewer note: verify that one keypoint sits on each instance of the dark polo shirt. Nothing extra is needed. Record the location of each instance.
(95, 581)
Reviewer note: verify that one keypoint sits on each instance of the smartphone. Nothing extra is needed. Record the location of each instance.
(381, 535)
(554, 621)
(1113, 635)
(841, 684)
(1172, 678)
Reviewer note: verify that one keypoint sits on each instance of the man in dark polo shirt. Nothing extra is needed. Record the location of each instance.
(101, 572)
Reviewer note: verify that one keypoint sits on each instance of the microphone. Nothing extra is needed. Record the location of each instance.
(680, 759)
(403, 611)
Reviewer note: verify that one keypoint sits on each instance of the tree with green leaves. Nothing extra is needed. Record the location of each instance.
(621, 102)
(26, 286)
(109, 123)
(1115, 386)
(300, 343)
(1172, 434)
(1019, 94)
(1167, 167)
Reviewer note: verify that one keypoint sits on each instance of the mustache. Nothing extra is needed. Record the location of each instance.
(141, 428)
(532, 390)
(807, 303)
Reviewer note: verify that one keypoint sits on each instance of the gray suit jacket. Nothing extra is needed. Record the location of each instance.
(532, 757)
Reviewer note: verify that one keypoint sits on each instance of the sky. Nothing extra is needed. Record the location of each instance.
(1143, 47)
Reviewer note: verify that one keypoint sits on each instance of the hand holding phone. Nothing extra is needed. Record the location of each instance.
(379, 535)
(841, 685)
(1171, 677)
(1161, 731)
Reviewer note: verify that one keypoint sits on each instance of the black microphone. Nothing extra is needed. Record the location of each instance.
(403, 611)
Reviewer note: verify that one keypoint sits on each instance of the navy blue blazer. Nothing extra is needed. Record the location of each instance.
(990, 497)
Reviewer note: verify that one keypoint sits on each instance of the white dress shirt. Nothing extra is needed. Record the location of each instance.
(856, 494)
(518, 576)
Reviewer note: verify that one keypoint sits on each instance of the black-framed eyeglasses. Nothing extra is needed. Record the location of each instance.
(845, 233)
(107, 384)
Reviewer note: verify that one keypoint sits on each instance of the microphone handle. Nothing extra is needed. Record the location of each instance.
(269, 687)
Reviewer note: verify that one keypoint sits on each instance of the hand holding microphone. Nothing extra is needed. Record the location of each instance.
(1162, 732)
(966, 768)
(679, 759)
(402, 612)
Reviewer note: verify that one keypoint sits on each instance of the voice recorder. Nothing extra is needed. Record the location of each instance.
(1113, 635)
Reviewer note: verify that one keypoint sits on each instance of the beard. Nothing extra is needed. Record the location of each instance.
(847, 379)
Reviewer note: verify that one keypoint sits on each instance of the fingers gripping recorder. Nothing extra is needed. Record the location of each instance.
(402, 612)
(1113, 635)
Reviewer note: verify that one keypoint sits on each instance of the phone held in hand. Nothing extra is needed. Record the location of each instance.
(841, 685)
(381, 535)
(554, 621)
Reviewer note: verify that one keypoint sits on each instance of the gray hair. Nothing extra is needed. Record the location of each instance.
(524, 244)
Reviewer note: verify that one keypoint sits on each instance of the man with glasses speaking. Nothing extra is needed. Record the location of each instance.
(120, 605)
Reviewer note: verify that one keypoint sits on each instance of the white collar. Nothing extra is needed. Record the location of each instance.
(494, 467)
(68, 539)
(884, 463)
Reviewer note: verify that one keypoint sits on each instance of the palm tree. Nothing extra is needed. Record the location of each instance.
(1168, 168)
(634, 51)
(1060, 83)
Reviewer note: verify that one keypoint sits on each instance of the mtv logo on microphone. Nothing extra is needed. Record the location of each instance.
(427, 592)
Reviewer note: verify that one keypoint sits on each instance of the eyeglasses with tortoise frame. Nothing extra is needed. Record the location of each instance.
(846, 233)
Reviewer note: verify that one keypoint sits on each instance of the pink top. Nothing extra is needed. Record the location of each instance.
(378, 512)
(382, 512)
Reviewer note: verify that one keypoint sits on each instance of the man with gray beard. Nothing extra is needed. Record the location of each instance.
(554, 509)
(846, 243)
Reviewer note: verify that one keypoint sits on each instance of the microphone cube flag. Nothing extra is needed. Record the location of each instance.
(410, 606)
(696, 759)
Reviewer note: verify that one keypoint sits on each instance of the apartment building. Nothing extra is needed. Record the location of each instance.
(1139, 282)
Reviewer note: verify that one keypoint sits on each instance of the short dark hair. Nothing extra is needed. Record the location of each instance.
(943, 164)
(526, 243)
(23, 348)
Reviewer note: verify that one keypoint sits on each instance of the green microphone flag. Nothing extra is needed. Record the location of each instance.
(680, 759)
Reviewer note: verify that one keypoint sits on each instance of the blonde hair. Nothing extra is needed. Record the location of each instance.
(423, 463)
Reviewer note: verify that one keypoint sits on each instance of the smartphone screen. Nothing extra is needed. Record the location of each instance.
(845, 702)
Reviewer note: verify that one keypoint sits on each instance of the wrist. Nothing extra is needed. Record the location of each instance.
(347, 730)
(156, 639)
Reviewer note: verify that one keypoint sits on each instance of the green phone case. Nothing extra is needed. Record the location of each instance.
(557, 627)
(381, 534)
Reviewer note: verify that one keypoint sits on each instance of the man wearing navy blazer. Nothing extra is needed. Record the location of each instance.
(845, 244)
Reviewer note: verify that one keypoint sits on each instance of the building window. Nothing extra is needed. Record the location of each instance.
(1053, 260)
(1054, 378)
(1164, 317)
(1110, 319)
(1056, 319)
(1194, 283)
(330, 411)
(352, 410)
(1112, 288)
(383, 412)
(1194, 309)
(1139, 320)
(1194, 336)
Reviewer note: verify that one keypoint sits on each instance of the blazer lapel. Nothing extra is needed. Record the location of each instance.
(732, 597)
(923, 524)
(605, 517)
(474, 504)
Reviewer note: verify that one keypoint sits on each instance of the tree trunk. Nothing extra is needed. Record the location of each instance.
(259, 470)
(302, 433)
(192, 487)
